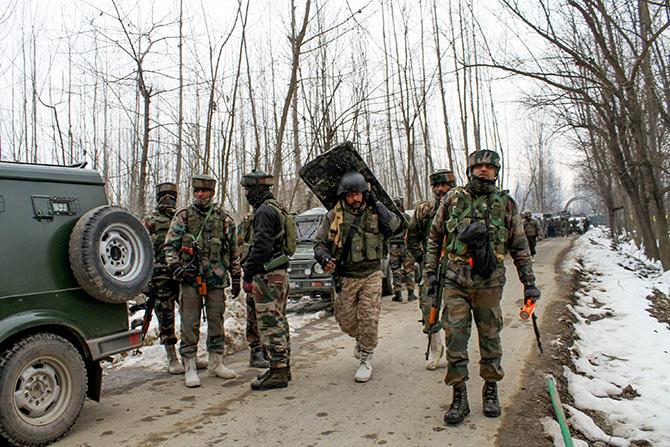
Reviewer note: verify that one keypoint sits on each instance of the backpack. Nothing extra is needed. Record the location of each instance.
(288, 232)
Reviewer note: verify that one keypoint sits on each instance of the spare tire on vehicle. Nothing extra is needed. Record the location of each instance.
(111, 254)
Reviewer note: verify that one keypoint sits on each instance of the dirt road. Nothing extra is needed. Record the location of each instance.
(403, 404)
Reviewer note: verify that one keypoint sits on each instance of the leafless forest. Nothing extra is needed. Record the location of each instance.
(575, 94)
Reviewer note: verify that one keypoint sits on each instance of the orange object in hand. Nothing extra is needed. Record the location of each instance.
(202, 285)
(527, 310)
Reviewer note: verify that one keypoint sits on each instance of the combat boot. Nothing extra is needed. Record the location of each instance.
(436, 357)
(397, 297)
(410, 295)
(201, 363)
(272, 378)
(357, 351)
(174, 366)
(217, 368)
(490, 400)
(364, 371)
(257, 358)
(191, 377)
(459, 405)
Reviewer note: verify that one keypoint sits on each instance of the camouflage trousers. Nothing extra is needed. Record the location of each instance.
(253, 338)
(402, 265)
(191, 303)
(357, 309)
(532, 243)
(166, 293)
(461, 306)
(270, 299)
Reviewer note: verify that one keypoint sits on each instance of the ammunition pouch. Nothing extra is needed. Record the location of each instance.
(476, 236)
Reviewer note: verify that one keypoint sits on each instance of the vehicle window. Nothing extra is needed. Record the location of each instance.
(306, 229)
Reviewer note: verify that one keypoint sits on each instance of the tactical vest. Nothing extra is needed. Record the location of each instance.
(212, 238)
(463, 209)
(428, 222)
(161, 224)
(367, 244)
(399, 237)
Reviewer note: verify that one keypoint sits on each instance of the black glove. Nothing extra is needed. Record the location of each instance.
(235, 287)
(370, 199)
(431, 278)
(531, 292)
(184, 273)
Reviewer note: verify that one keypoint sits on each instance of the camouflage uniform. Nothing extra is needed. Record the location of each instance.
(163, 287)
(533, 231)
(467, 294)
(402, 263)
(266, 277)
(214, 231)
(358, 305)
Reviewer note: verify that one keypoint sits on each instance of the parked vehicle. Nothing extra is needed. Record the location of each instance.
(70, 262)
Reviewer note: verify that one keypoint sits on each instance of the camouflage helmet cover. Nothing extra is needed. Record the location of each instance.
(352, 182)
(166, 188)
(203, 182)
(527, 213)
(257, 178)
(443, 176)
(481, 157)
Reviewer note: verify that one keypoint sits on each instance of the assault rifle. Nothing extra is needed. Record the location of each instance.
(433, 322)
(148, 307)
(194, 267)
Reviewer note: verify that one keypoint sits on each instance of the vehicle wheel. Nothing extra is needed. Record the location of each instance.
(111, 254)
(387, 281)
(42, 389)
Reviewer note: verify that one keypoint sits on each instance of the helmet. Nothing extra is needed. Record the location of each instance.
(352, 182)
(257, 178)
(443, 176)
(483, 157)
(400, 203)
(166, 188)
(203, 182)
(527, 213)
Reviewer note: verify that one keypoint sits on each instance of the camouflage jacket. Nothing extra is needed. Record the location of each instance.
(505, 234)
(157, 224)
(419, 225)
(245, 235)
(398, 238)
(215, 237)
(532, 228)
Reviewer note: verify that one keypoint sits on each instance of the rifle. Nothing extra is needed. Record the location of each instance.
(527, 311)
(148, 307)
(435, 299)
(195, 265)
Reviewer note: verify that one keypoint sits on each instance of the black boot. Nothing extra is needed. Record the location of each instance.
(459, 406)
(410, 295)
(490, 400)
(272, 378)
(398, 296)
(257, 358)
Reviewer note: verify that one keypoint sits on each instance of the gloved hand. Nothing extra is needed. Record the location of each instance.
(329, 265)
(370, 198)
(235, 287)
(531, 292)
(184, 273)
(431, 278)
(248, 286)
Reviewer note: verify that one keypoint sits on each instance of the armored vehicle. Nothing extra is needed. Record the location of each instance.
(70, 262)
(306, 277)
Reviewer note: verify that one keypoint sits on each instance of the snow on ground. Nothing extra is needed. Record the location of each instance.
(152, 355)
(621, 353)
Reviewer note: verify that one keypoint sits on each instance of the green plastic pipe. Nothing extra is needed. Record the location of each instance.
(558, 409)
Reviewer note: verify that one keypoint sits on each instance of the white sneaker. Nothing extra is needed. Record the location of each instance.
(436, 357)
(217, 368)
(364, 371)
(174, 365)
(191, 377)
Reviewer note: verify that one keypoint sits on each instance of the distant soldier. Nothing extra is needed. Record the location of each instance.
(478, 225)
(200, 250)
(164, 289)
(266, 277)
(441, 182)
(257, 355)
(351, 242)
(586, 224)
(564, 226)
(401, 261)
(533, 231)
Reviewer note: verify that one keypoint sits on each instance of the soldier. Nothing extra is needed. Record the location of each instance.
(257, 355)
(164, 289)
(200, 250)
(533, 231)
(478, 224)
(350, 242)
(402, 262)
(266, 277)
(441, 182)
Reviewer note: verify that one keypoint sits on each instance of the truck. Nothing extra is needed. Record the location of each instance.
(70, 263)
